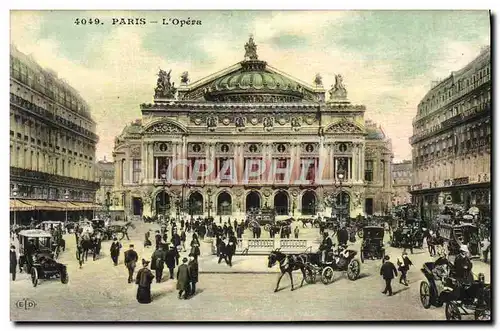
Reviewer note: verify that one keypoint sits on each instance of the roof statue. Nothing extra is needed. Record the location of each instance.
(338, 91)
(185, 78)
(318, 80)
(251, 50)
(164, 89)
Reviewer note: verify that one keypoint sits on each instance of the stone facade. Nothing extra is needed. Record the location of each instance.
(451, 142)
(105, 174)
(251, 111)
(401, 182)
(52, 140)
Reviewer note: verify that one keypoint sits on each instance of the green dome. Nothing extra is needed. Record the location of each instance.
(375, 133)
(254, 84)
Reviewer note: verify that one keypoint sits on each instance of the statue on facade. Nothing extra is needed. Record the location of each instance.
(164, 88)
(239, 122)
(251, 50)
(268, 122)
(295, 122)
(338, 91)
(212, 122)
(318, 80)
(185, 78)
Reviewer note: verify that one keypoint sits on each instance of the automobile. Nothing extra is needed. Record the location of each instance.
(37, 258)
(372, 246)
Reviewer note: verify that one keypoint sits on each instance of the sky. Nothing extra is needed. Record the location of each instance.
(388, 59)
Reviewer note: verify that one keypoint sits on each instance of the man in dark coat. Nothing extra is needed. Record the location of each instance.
(131, 259)
(183, 239)
(115, 251)
(144, 279)
(183, 279)
(342, 236)
(158, 262)
(463, 265)
(325, 246)
(13, 262)
(223, 249)
(176, 242)
(388, 272)
(172, 256)
(218, 243)
(231, 248)
(182, 223)
(403, 267)
(158, 239)
(193, 271)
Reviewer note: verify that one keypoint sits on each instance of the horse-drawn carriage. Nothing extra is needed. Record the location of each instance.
(372, 246)
(119, 230)
(37, 258)
(463, 234)
(461, 298)
(409, 234)
(314, 221)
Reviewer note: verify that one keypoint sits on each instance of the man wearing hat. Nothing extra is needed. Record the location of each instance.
(171, 258)
(463, 265)
(115, 250)
(144, 279)
(13, 261)
(325, 246)
(131, 259)
(388, 272)
(158, 261)
(193, 271)
(183, 279)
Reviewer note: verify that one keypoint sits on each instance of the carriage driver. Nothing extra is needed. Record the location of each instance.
(326, 245)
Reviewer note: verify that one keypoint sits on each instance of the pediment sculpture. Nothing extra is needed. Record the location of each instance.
(343, 126)
(164, 128)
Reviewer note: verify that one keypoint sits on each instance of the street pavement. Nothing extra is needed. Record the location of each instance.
(99, 291)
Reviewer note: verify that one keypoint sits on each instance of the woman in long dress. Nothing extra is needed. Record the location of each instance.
(144, 279)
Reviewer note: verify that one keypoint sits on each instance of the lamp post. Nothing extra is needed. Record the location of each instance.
(336, 205)
(209, 201)
(66, 197)
(164, 182)
(15, 191)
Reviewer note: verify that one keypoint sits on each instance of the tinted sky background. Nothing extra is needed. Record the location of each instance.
(388, 58)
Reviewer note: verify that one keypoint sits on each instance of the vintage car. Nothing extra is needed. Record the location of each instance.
(463, 234)
(37, 258)
(372, 246)
(460, 298)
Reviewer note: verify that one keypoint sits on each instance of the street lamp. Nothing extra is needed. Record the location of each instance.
(340, 176)
(164, 181)
(209, 202)
(66, 197)
(15, 191)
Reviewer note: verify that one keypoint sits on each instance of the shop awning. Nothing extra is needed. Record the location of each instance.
(19, 205)
(43, 204)
(85, 206)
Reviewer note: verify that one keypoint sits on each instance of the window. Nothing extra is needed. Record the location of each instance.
(308, 167)
(344, 163)
(161, 165)
(369, 170)
(281, 164)
(136, 170)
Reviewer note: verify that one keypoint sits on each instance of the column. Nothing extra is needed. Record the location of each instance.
(362, 162)
(348, 168)
(156, 169)
(151, 162)
(144, 162)
(174, 159)
(184, 157)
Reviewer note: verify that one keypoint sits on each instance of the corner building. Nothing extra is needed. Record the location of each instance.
(451, 142)
(248, 113)
(52, 145)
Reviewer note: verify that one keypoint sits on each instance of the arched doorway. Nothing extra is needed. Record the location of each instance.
(196, 203)
(281, 203)
(224, 204)
(137, 206)
(309, 203)
(162, 203)
(252, 201)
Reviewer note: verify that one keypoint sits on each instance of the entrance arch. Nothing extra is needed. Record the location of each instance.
(196, 203)
(162, 203)
(224, 204)
(309, 203)
(252, 201)
(281, 203)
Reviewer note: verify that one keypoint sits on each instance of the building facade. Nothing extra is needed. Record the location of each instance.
(401, 182)
(52, 144)
(105, 175)
(451, 142)
(247, 119)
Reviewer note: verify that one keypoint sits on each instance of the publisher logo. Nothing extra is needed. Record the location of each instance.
(25, 304)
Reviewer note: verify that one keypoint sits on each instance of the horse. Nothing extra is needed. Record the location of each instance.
(287, 263)
(86, 243)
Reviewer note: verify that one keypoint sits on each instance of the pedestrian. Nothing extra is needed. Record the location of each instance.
(147, 241)
(144, 279)
(158, 262)
(13, 261)
(431, 243)
(342, 236)
(403, 267)
(176, 243)
(182, 223)
(388, 272)
(131, 259)
(157, 239)
(115, 251)
(183, 279)
(193, 271)
(463, 265)
(231, 248)
(183, 240)
(195, 246)
(485, 247)
(172, 256)
(296, 232)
